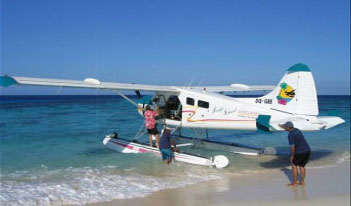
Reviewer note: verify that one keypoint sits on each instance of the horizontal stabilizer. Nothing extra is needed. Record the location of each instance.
(329, 122)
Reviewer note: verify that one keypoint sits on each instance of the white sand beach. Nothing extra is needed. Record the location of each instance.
(324, 186)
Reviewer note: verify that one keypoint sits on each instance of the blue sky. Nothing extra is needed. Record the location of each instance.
(175, 42)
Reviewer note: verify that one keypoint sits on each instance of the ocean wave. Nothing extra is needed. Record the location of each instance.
(77, 186)
(345, 156)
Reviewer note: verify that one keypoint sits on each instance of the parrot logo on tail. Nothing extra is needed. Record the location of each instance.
(286, 94)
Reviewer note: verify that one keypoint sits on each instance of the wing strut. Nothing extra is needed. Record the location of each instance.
(126, 98)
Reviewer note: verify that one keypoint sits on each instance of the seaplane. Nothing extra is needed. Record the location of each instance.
(207, 107)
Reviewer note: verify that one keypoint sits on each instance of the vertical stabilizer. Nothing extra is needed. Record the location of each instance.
(296, 92)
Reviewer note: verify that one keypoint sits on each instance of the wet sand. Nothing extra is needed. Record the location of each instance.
(324, 186)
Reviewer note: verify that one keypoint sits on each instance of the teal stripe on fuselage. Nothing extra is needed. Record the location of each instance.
(262, 122)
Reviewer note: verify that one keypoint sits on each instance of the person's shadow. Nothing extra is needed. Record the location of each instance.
(283, 161)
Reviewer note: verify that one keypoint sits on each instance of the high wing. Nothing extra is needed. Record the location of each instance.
(236, 88)
(96, 84)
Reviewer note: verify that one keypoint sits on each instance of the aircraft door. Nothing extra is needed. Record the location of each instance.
(173, 108)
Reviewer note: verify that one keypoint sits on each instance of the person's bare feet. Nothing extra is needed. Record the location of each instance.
(292, 185)
(301, 184)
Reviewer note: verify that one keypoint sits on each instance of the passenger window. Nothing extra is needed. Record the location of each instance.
(203, 104)
(190, 101)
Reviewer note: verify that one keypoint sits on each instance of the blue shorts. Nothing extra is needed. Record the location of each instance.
(166, 154)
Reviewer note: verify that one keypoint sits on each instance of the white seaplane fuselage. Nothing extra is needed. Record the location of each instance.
(232, 113)
(294, 99)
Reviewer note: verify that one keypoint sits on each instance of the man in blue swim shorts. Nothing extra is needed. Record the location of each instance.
(165, 146)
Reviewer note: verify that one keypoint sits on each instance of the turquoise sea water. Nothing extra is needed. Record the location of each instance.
(51, 151)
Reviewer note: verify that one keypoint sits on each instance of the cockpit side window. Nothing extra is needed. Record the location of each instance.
(190, 101)
(160, 100)
(203, 104)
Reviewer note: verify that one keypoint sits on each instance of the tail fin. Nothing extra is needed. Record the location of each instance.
(296, 92)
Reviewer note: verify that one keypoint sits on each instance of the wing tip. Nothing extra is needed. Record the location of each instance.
(6, 81)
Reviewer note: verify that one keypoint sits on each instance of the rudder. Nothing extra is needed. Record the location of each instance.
(296, 92)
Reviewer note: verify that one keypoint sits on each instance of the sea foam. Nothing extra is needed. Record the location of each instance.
(77, 186)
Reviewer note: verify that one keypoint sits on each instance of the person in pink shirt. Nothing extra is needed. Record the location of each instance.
(150, 123)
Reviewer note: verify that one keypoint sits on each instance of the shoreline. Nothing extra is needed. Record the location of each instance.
(324, 186)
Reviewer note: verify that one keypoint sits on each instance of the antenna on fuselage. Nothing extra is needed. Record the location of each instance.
(200, 82)
(190, 83)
